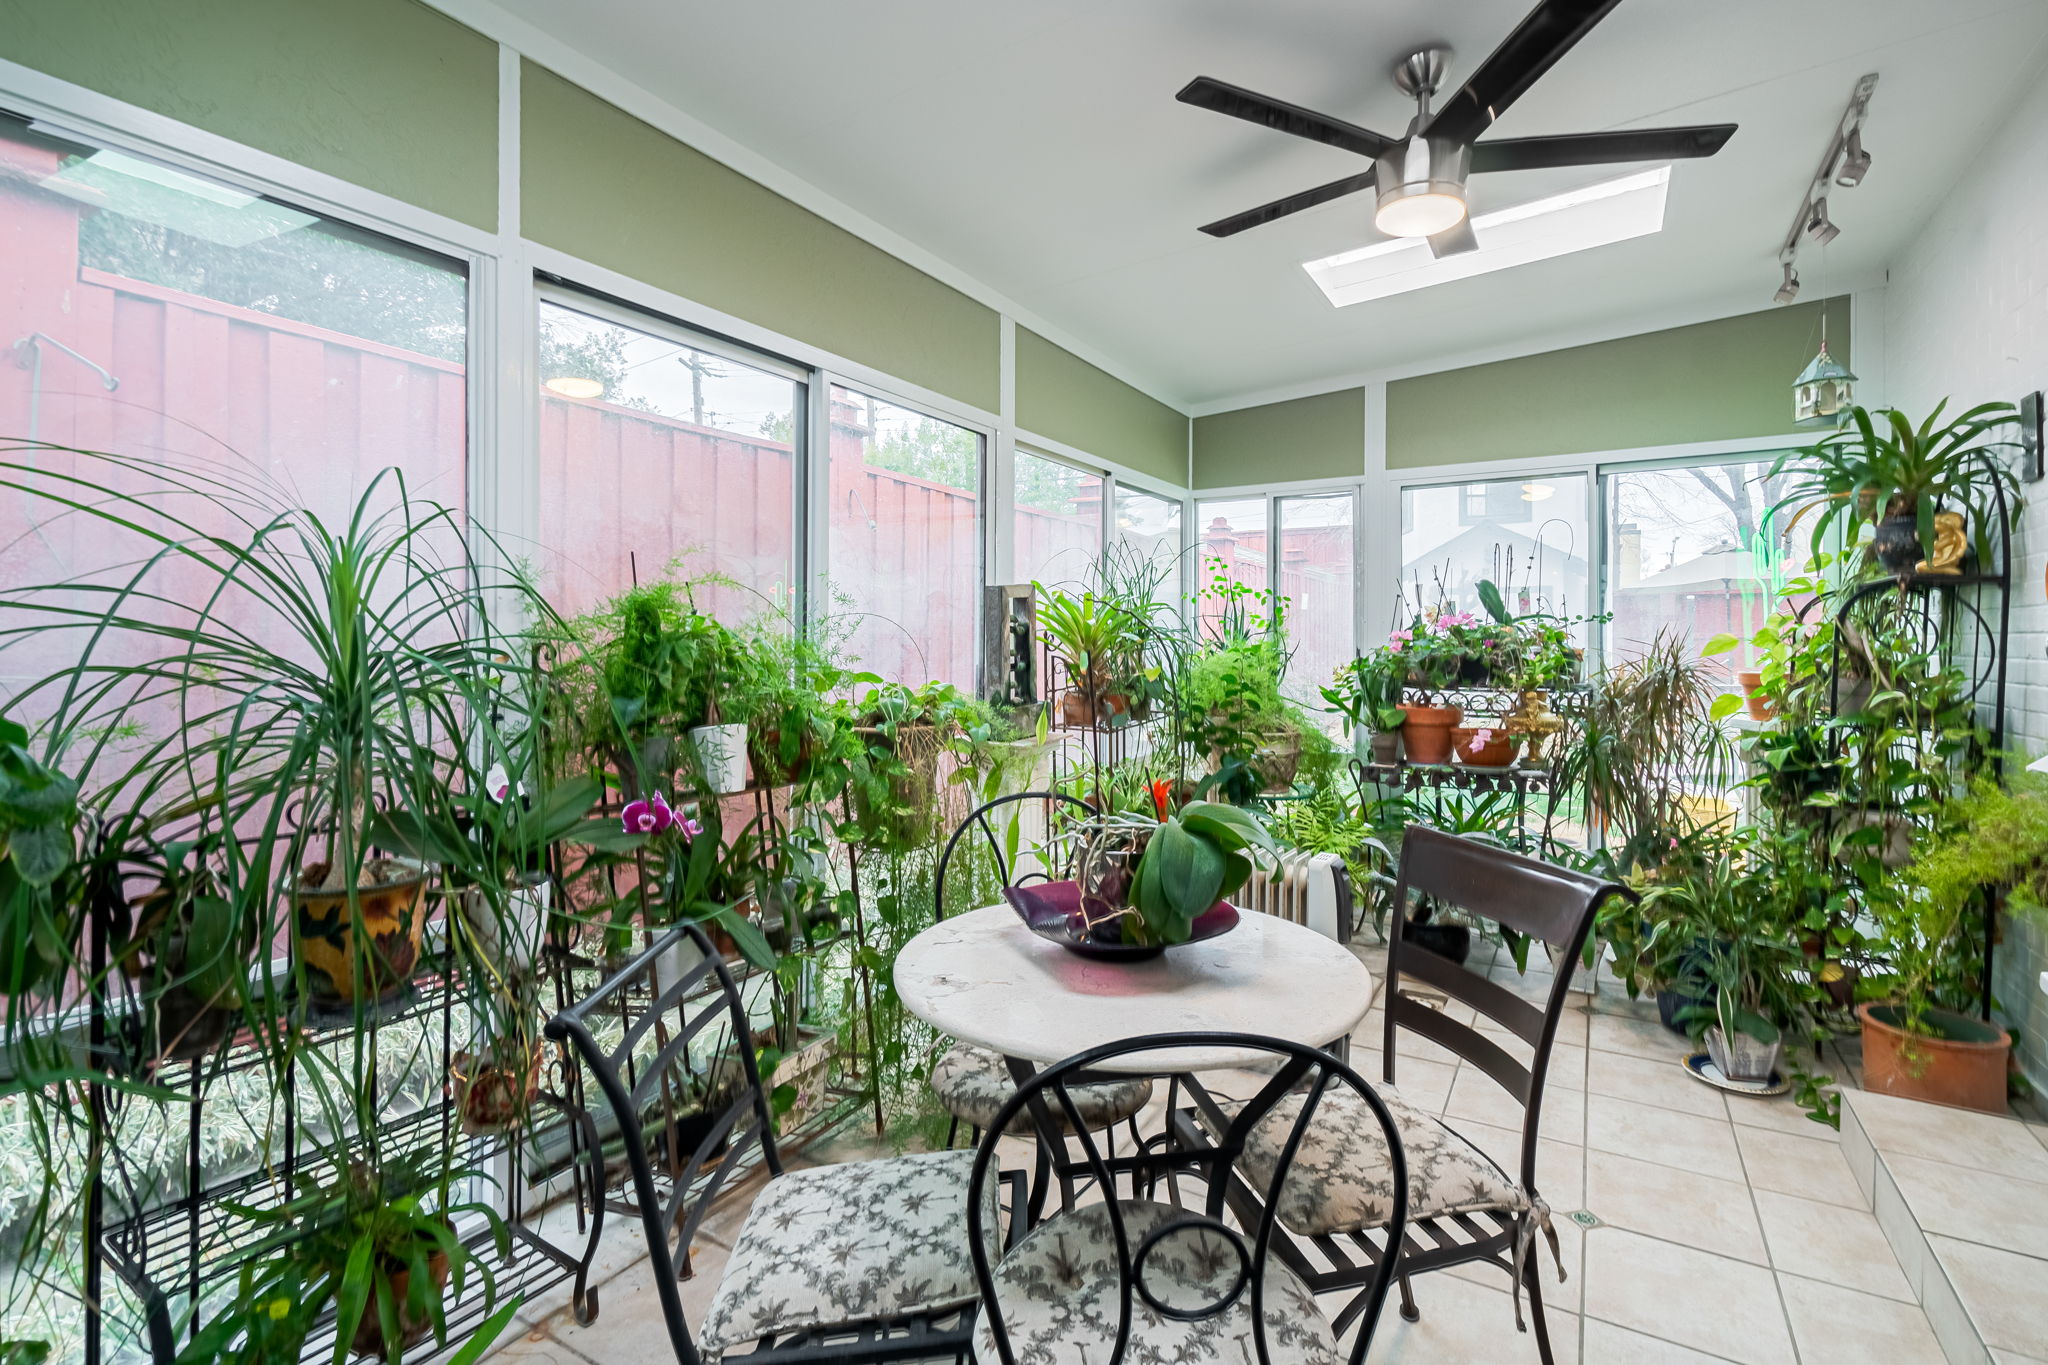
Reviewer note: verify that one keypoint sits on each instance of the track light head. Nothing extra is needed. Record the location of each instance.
(1789, 290)
(1819, 229)
(1855, 161)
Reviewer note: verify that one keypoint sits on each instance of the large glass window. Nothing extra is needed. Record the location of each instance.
(657, 457)
(1058, 520)
(1231, 546)
(906, 549)
(1317, 578)
(1149, 525)
(1527, 535)
(207, 334)
(1689, 550)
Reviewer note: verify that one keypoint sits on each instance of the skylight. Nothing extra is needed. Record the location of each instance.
(1611, 211)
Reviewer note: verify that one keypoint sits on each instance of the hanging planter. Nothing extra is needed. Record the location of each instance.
(722, 757)
(495, 1088)
(511, 940)
(387, 907)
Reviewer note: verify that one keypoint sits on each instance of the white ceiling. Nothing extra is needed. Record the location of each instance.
(1037, 146)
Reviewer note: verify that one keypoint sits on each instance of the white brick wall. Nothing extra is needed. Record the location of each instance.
(1966, 318)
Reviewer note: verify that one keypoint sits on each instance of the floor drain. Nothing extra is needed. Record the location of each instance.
(1585, 1219)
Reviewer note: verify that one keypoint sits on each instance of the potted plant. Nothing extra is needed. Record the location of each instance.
(371, 1242)
(39, 895)
(1434, 654)
(1921, 1042)
(1488, 744)
(1367, 693)
(1144, 879)
(1880, 467)
(902, 734)
(188, 947)
(1096, 640)
(1234, 712)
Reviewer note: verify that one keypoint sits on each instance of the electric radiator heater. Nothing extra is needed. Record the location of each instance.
(1308, 888)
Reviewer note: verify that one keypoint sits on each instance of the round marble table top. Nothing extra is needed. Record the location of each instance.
(985, 979)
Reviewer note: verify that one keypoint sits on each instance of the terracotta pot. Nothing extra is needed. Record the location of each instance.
(1426, 733)
(1966, 1070)
(1752, 683)
(1082, 710)
(1497, 752)
(392, 912)
(369, 1337)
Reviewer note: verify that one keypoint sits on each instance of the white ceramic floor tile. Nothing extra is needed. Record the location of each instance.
(1677, 1205)
(1811, 1167)
(1463, 1322)
(1827, 1242)
(1635, 1036)
(1711, 1303)
(1775, 1112)
(1560, 1166)
(1975, 1205)
(630, 1325)
(1959, 1137)
(536, 1347)
(1659, 1081)
(1606, 1344)
(1837, 1326)
(1665, 1136)
(2005, 1293)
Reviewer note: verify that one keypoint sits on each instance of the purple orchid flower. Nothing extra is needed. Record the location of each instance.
(648, 816)
(691, 827)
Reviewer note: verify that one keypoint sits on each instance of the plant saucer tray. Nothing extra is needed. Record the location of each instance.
(1052, 910)
(1701, 1067)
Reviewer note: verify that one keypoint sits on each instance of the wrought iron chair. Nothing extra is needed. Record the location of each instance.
(866, 1261)
(1463, 1206)
(1126, 1279)
(972, 1082)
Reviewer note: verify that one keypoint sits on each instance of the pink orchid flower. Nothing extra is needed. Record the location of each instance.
(1480, 739)
(692, 827)
(649, 816)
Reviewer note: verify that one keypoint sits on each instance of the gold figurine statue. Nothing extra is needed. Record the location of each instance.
(1949, 545)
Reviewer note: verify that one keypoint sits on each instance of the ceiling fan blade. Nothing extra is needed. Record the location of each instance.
(1249, 105)
(1293, 203)
(1454, 241)
(1594, 149)
(1546, 34)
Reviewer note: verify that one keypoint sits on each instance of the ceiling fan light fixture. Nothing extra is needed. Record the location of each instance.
(1421, 187)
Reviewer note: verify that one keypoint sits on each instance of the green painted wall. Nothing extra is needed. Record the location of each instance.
(386, 94)
(1319, 437)
(1711, 381)
(1062, 396)
(600, 184)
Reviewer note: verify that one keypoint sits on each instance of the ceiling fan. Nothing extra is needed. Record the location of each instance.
(1421, 174)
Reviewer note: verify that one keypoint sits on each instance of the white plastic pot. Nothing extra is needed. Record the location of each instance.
(679, 957)
(722, 754)
(511, 938)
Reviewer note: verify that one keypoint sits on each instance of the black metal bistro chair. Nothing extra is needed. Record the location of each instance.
(866, 1261)
(972, 1083)
(1463, 1207)
(1129, 1278)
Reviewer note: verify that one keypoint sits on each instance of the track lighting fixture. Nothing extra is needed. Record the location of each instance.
(1855, 161)
(1789, 290)
(1819, 230)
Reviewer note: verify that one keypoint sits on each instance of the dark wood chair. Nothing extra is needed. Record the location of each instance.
(866, 1261)
(1129, 1278)
(1463, 1208)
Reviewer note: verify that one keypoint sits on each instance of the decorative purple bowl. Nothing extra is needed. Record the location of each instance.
(1052, 910)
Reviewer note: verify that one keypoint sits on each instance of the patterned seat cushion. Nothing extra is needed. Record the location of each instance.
(974, 1084)
(1341, 1179)
(856, 1243)
(1059, 1290)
